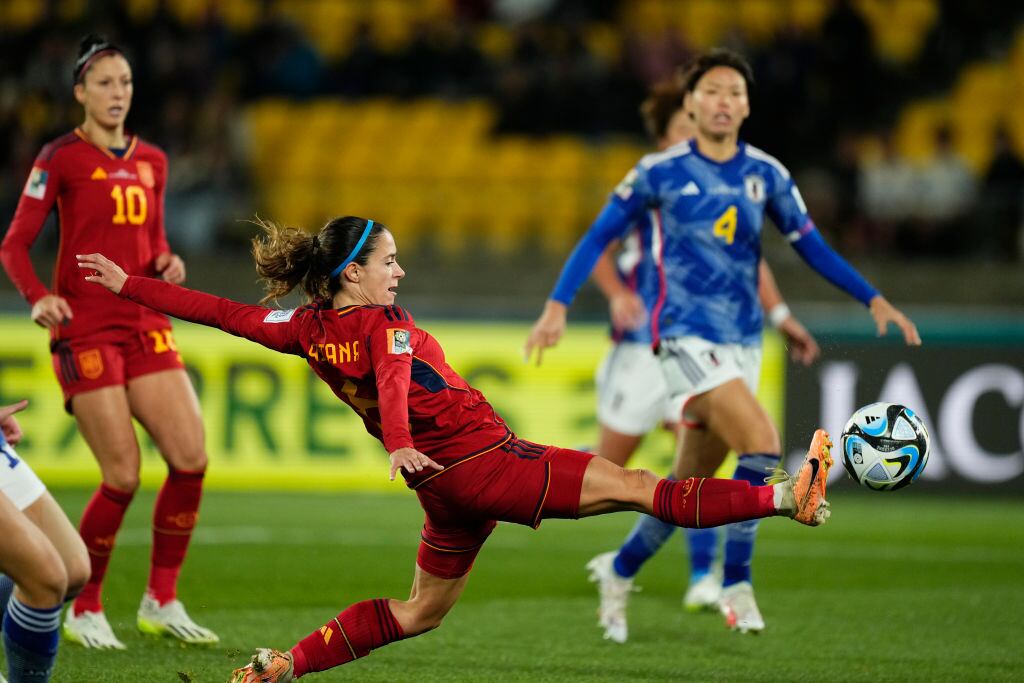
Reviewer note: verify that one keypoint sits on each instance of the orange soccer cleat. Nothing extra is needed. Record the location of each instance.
(805, 497)
(267, 666)
(809, 484)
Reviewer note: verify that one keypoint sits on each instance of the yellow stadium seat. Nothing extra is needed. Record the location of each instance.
(759, 19)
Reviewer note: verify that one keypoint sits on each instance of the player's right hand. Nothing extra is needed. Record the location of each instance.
(10, 427)
(411, 460)
(627, 311)
(548, 329)
(105, 272)
(51, 311)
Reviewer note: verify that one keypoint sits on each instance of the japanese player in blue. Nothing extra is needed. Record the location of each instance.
(706, 199)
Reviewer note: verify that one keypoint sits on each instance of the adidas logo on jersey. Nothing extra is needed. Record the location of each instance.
(99, 174)
(690, 189)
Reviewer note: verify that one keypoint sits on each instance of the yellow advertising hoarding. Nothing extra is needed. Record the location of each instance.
(271, 424)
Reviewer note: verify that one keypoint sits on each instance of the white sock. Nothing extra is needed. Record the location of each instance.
(783, 498)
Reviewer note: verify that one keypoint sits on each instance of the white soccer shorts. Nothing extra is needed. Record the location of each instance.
(17, 480)
(692, 366)
(631, 394)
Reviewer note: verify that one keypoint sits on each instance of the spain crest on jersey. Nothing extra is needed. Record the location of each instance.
(398, 341)
(145, 173)
(754, 185)
(35, 187)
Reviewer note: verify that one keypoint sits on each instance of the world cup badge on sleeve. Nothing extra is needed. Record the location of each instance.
(35, 187)
(398, 341)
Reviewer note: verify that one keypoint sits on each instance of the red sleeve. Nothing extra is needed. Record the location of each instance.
(158, 236)
(392, 342)
(35, 204)
(276, 329)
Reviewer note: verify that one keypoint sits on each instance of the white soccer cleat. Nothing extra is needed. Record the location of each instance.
(90, 629)
(704, 593)
(614, 591)
(740, 609)
(172, 620)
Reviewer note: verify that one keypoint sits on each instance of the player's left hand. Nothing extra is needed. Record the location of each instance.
(171, 267)
(803, 348)
(412, 460)
(884, 313)
(105, 272)
(9, 425)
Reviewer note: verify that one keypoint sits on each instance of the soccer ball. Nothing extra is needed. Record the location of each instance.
(885, 446)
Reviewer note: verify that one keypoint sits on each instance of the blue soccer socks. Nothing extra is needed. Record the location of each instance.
(30, 639)
(739, 537)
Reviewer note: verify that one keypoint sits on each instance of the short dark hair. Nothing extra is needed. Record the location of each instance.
(693, 71)
(661, 104)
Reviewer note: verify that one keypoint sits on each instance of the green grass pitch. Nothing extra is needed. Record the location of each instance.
(897, 587)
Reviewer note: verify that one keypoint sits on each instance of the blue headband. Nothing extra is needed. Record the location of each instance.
(355, 250)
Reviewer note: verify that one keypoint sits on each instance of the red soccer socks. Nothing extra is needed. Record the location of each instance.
(362, 627)
(698, 503)
(174, 517)
(100, 521)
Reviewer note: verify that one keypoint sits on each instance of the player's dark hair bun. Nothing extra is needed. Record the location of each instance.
(89, 47)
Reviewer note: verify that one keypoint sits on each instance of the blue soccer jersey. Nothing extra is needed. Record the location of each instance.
(705, 246)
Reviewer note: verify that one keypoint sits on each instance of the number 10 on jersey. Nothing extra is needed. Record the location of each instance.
(129, 205)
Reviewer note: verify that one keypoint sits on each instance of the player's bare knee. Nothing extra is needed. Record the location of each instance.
(637, 485)
(46, 585)
(423, 620)
(78, 571)
(190, 458)
(123, 478)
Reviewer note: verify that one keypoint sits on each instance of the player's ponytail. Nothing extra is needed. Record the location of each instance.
(91, 48)
(288, 257)
(283, 257)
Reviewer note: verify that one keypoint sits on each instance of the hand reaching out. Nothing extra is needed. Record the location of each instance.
(105, 272)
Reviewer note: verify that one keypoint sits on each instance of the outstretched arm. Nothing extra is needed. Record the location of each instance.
(787, 210)
(277, 330)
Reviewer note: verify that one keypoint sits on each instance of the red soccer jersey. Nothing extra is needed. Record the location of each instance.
(108, 204)
(374, 358)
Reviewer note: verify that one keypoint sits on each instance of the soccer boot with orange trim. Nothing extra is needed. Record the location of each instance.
(803, 495)
(739, 608)
(267, 666)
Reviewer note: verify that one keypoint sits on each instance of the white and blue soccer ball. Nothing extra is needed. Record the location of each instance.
(885, 446)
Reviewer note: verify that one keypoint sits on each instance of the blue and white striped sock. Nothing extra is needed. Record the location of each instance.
(739, 537)
(30, 639)
(6, 588)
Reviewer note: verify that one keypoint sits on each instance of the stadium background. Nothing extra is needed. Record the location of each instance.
(487, 133)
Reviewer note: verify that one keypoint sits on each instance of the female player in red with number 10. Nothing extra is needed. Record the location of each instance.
(114, 359)
(467, 468)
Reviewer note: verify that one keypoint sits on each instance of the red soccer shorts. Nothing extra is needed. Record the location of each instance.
(519, 482)
(89, 363)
